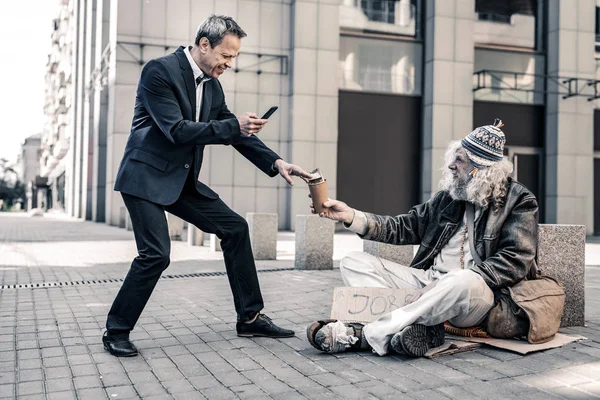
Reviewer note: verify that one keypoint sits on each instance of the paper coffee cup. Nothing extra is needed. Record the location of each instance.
(318, 192)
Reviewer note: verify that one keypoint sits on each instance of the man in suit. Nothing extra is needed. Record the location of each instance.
(179, 109)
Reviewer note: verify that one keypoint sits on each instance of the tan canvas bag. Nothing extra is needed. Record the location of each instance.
(531, 308)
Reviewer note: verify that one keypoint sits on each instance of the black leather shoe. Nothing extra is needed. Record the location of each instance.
(119, 346)
(415, 340)
(263, 327)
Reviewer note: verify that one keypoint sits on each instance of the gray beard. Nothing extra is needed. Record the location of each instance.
(458, 191)
(457, 188)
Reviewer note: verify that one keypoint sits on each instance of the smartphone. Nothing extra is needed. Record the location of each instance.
(270, 112)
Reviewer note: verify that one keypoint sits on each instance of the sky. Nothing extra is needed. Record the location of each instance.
(25, 29)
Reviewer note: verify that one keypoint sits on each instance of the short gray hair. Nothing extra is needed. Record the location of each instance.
(215, 27)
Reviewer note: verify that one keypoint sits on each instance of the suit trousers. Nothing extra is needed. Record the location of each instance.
(153, 244)
(460, 296)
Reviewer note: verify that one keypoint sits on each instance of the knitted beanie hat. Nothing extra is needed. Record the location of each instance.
(485, 145)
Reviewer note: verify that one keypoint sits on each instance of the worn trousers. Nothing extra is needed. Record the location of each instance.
(459, 296)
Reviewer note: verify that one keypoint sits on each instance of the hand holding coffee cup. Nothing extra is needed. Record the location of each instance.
(317, 186)
(335, 210)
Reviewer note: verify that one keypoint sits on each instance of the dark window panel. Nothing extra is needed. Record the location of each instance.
(524, 123)
(506, 7)
(597, 196)
(379, 152)
(529, 173)
(596, 130)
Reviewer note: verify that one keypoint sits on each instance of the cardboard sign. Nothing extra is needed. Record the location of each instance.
(364, 304)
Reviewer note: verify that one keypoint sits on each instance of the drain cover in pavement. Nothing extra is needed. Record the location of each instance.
(102, 281)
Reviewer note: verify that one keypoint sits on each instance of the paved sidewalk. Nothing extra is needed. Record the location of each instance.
(50, 344)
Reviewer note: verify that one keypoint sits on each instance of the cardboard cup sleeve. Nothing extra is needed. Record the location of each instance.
(318, 192)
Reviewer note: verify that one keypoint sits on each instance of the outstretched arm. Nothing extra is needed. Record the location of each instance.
(402, 229)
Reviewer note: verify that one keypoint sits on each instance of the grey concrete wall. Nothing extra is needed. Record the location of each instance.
(87, 131)
(99, 123)
(570, 122)
(313, 96)
(79, 108)
(70, 130)
(448, 94)
(125, 19)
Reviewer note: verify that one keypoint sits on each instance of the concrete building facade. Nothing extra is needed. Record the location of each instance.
(58, 111)
(369, 91)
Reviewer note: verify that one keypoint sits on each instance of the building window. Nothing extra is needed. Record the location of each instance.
(506, 23)
(492, 17)
(508, 77)
(398, 17)
(381, 10)
(597, 30)
(506, 7)
(386, 66)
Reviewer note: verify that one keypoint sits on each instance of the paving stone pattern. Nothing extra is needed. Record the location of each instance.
(50, 345)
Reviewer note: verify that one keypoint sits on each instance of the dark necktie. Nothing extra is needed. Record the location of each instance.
(201, 79)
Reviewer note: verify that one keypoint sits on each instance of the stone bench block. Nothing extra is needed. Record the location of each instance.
(399, 254)
(122, 217)
(561, 255)
(263, 235)
(128, 224)
(314, 242)
(195, 237)
(215, 243)
(175, 226)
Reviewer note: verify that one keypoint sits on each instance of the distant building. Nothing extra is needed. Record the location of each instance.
(29, 158)
(28, 166)
(369, 91)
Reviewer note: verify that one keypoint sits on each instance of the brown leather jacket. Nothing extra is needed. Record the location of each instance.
(505, 239)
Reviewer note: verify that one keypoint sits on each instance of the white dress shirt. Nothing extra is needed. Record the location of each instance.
(199, 87)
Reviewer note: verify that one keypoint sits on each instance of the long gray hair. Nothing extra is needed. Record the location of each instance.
(487, 187)
(215, 27)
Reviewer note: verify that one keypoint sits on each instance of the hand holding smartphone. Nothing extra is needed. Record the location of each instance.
(250, 124)
(270, 112)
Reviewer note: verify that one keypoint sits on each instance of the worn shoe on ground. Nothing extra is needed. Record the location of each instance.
(333, 336)
(119, 346)
(262, 326)
(415, 340)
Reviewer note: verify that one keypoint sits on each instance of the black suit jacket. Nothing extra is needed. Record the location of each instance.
(165, 141)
